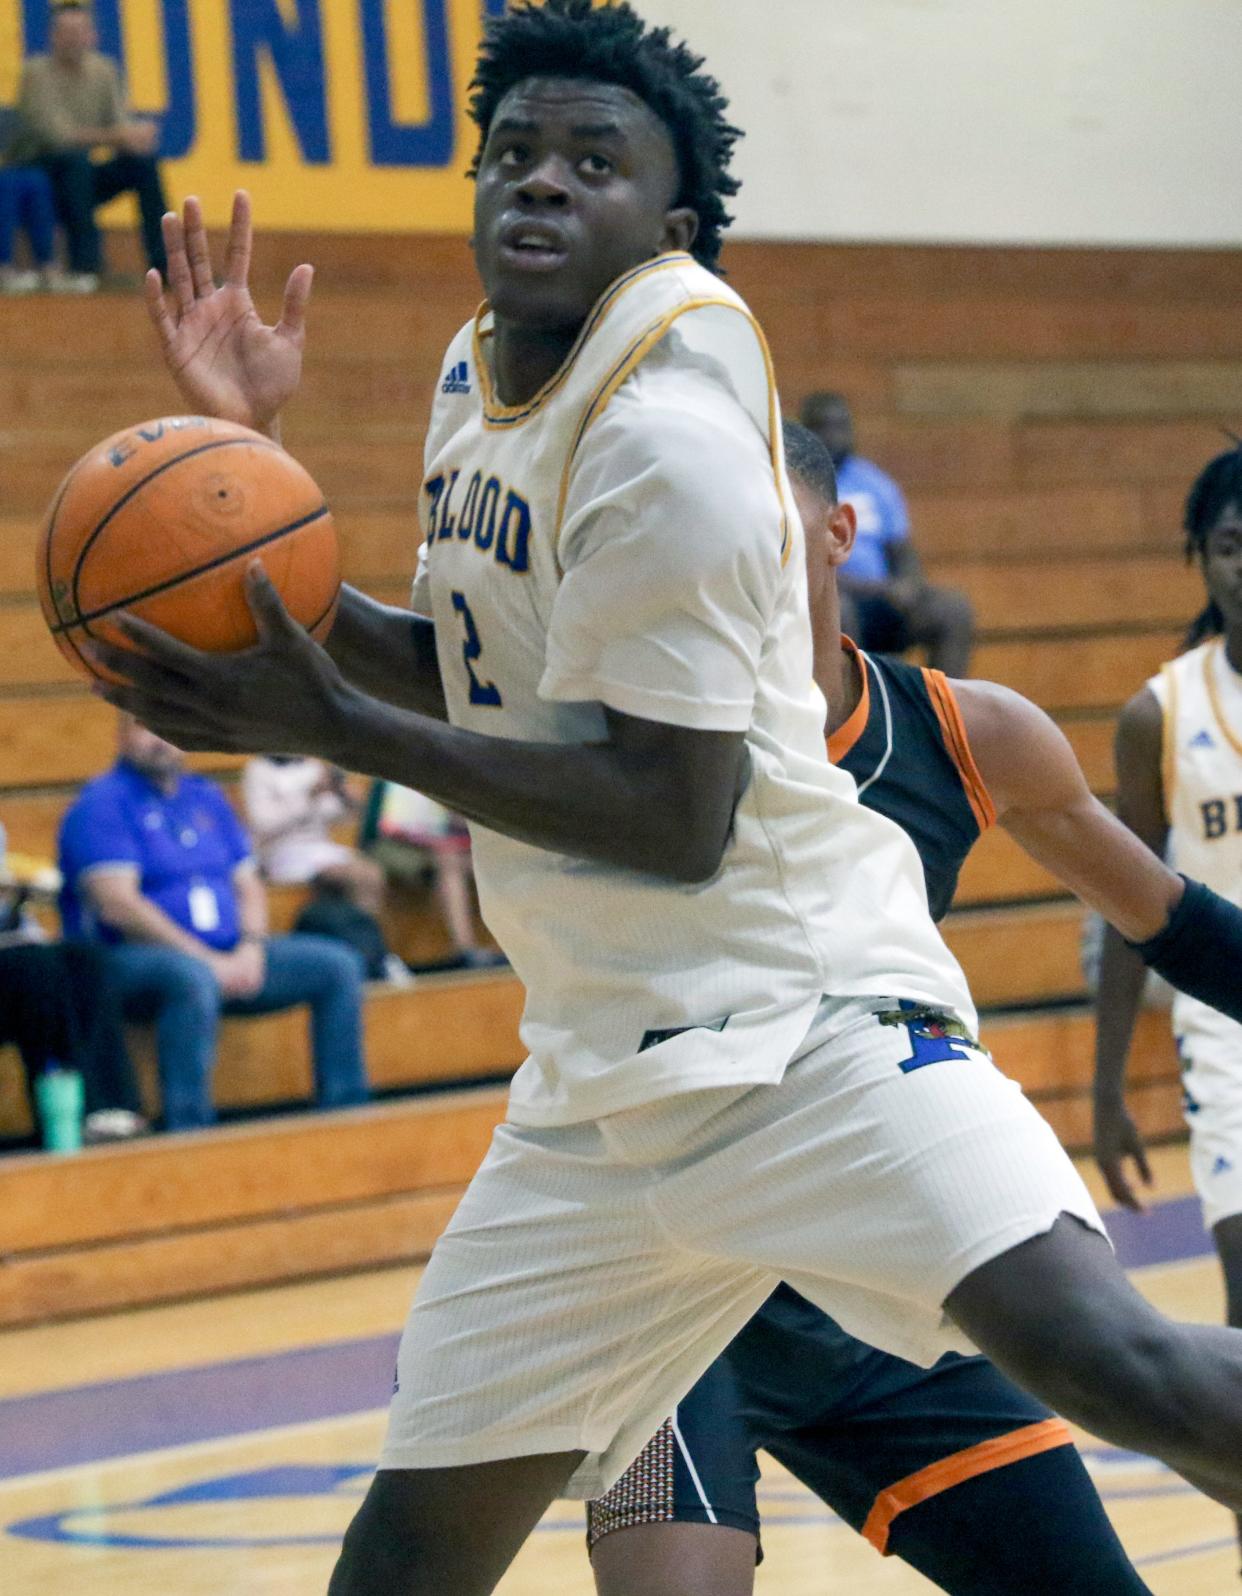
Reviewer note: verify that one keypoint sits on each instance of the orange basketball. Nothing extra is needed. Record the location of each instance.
(163, 519)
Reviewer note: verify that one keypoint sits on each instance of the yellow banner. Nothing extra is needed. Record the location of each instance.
(337, 115)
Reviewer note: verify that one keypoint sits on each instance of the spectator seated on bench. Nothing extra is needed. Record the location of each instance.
(157, 866)
(70, 103)
(290, 806)
(26, 205)
(411, 835)
(59, 1006)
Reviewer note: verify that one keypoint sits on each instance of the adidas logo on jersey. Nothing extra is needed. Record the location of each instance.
(1203, 739)
(457, 380)
(1223, 1165)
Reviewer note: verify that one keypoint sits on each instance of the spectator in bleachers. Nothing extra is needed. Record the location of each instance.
(59, 1006)
(887, 603)
(291, 805)
(26, 205)
(411, 835)
(156, 864)
(71, 102)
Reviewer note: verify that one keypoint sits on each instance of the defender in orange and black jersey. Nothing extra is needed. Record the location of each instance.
(952, 1468)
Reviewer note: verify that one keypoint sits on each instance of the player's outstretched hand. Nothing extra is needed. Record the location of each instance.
(1117, 1139)
(283, 696)
(224, 359)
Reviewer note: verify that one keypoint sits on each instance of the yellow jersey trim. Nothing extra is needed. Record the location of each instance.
(633, 358)
(497, 416)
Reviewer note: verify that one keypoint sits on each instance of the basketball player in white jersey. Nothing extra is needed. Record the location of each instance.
(1179, 786)
(715, 937)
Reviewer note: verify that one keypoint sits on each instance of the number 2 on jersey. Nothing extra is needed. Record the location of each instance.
(471, 649)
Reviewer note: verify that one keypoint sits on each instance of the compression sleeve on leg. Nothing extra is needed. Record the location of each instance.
(1199, 949)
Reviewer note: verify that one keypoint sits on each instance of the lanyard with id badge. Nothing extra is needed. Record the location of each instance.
(204, 908)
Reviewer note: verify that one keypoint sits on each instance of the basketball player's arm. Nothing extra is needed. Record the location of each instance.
(648, 796)
(387, 652)
(1043, 801)
(1140, 806)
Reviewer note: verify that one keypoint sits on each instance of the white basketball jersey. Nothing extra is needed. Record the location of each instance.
(624, 539)
(1201, 697)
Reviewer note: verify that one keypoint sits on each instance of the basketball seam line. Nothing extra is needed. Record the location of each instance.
(199, 570)
(203, 448)
(325, 612)
(47, 567)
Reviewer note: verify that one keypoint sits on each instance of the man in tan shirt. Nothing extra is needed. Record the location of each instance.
(71, 102)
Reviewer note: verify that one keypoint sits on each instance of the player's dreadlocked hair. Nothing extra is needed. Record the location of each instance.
(1217, 485)
(808, 458)
(612, 44)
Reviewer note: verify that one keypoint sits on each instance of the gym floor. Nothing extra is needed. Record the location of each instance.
(222, 1445)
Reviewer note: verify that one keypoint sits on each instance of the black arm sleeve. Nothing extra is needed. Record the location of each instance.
(1199, 950)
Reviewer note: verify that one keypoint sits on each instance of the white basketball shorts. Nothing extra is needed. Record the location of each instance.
(1212, 1078)
(593, 1271)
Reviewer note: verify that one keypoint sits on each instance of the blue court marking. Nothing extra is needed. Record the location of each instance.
(1175, 1554)
(116, 1418)
(104, 1525)
(288, 1479)
(1169, 1232)
(90, 1423)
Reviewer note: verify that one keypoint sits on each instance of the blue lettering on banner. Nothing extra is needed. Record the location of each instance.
(428, 143)
(297, 57)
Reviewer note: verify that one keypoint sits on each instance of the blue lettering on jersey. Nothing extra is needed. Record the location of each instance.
(935, 1036)
(1218, 820)
(457, 379)
(1203, 739)
(476, 513)
(514, 534)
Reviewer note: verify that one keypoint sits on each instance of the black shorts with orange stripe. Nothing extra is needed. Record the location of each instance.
(919, 1461)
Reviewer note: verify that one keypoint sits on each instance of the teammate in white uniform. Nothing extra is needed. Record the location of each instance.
(716, 938)
(1179, 786)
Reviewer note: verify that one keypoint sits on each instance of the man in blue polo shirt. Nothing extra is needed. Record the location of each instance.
(156, 863)
(887, 604)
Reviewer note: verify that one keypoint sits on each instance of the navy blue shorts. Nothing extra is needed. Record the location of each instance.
(869, 1434)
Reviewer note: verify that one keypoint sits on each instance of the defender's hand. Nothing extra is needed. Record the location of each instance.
(1117, 1138)
(224, 359)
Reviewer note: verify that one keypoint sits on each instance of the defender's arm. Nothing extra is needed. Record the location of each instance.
(1043, 801)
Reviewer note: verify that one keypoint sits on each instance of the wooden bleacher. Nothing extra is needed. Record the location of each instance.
(320, 1194)
(1045, 411)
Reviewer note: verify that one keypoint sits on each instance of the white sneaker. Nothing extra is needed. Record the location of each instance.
(76, 283)
(112, 1125)
(396, 971)
(19, 282)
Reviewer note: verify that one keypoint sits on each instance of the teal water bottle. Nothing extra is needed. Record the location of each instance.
(61, 1099)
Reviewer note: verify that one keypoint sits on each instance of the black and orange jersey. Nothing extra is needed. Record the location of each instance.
(906, 747)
